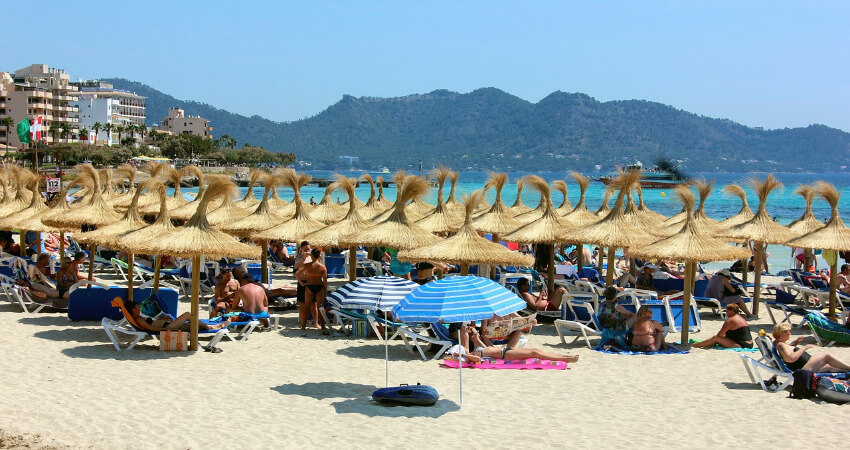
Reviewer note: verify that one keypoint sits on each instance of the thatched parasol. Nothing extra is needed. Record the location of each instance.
(109, 189)
(519, 207)
(537, 212)
(187, 210)
(397, 231)
(702, 222)
(4, 182)
(580, 216)
(372, 207)
(634, 217)
(36, 205)
(144, 239)
(131, 221)
(249, 201)
(604, 209)
(328, 211)
(94, 212)
(124, 172)
(351, 224)
(613, 231)
(499, 219)
(467, 247)
(643, 209)
(549, 229)
(153, 169)
(455, 206)
(382, 200)
(689, 245)
(441, 219)
(744, 214)
(22, 197)
(176, 200)
(807, 222)
(197, 238)
(761, 229)
(832, 236)
(566, 206)
(398, 181)
(261, 219)
(228, 212)
(293, 228)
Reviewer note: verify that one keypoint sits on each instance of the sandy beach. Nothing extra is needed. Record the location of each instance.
(65, 385)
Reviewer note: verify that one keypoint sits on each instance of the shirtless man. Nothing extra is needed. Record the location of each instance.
(250, 293)
(225, 290)
(844, 279)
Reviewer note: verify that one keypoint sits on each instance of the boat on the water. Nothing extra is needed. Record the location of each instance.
(653, 178)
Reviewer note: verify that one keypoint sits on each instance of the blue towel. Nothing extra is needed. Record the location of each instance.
(622, 351)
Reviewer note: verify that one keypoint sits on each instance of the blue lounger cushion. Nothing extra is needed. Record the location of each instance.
(94, 302)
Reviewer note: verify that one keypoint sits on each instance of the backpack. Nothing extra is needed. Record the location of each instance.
(805, 384)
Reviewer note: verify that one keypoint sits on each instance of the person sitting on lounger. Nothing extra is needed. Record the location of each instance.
(735, 332)
(224, 292)
(798, 358)
(510, 352)
(541, 301)
(164, 322)
(844, 279)
(613, 316)
(39, 277)
(250, 294)
(648, 333)
(720, 287)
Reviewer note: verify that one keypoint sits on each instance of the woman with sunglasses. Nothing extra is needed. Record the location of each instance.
(735, 332)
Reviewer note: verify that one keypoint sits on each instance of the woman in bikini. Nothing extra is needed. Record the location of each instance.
(735, 332)
(316, 276)
(510, 352)
(164, 322)
(648, 333)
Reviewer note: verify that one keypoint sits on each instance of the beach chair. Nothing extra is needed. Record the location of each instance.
(415, 337)
(769, 362)
(699, 297)
(140, 274)
(29, 303)
(825, 331)
(787, 303)
(335, 265)
(675, 312)
(581, 329)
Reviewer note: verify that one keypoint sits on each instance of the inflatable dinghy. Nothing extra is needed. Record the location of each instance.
(407, 395)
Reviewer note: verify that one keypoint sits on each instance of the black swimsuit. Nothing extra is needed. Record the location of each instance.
(799, 363)
(741, 336)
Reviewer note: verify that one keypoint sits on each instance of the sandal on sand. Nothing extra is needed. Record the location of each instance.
(207, 348)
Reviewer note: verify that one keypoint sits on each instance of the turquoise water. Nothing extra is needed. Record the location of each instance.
(782, 204)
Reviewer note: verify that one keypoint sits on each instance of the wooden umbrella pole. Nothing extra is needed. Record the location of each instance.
(690, 270)
(833, 287)
(157, 265)
(745, 270)
(130, 262)
(196, 280)
(61, 249)
(550, 270)
(352, 263)
(23, 243)
(493, 238)
(264, 259)
(601, 259)
(579, 257)
(609, 273)
(632, 265)
(91, 261)
(757, 277)
(464, 268)
(809, 255)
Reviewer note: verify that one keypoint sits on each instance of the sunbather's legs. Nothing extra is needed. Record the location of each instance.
(825, 362)
(47, 290)
(743, 307)
(717, 340)
(525, 353)
(659, 343)
(556, 296)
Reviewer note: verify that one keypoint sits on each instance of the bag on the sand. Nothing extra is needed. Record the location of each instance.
(173, 341)
(805, 384)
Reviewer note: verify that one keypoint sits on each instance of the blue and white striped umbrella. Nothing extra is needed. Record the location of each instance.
(457, 299)
(381, 293)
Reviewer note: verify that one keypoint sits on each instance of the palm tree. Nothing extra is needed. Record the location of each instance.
(96, 127)
(64, 130)
(108, 129)
(84, 132)
(142, 131)
(120, 130)
(9, 122)
(54, 130)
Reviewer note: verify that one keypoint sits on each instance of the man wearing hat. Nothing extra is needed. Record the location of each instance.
(720, 287)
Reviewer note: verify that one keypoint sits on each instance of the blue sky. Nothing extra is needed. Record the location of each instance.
(762, 63)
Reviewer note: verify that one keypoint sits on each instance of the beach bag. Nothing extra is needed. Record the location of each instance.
(173, 341)
(361, 328)
(805, 384)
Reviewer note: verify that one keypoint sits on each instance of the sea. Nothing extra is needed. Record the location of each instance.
(783, 204)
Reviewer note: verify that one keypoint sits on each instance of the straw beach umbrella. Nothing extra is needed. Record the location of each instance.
(22, 196)
(293, 228)
(249, 202)
(228, 212)
(153, 169)
(467, 247)
(832, 236)
(566, 206)
(703, 223)
(643, 209)
(382, 200)
(454, 206)
(372, 207)
(176, 200)
(549, 229)
(36, 205)
(613, 231)
(351, 224)
(327, 211)
(519, 207)
(604, 208)
(398, 180)
(743, 215)
(534, 214)
(580, 216)
(124, 172)
(397, 230)
(187, 210)
(441, 219)
(689, 245)
(761, 229)
(807, 222)
(197, 238)
(499, 219)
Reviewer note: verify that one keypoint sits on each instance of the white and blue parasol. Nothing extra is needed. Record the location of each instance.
(375, 293)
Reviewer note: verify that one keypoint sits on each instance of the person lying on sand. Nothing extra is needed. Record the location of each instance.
(165, 322)
(509, 352)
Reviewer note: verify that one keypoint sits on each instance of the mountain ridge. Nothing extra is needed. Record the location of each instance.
(491, 129)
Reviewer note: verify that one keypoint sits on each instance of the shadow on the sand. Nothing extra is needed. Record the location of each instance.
(742, 386)
(48, 319)
(107, 352)
(369, 408)
(73, 335)
(326, 389)
(376, 351)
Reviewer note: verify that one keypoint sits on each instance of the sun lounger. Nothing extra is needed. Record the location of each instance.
(787, 303)
(771, 363)
(414, 337)
(32, 303)
(335, 265)
(90, 300)
(581, 329)
(825, 331)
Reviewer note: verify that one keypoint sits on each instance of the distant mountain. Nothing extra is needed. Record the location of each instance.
(491, 129)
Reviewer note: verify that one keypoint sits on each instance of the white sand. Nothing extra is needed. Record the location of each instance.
(64, 381)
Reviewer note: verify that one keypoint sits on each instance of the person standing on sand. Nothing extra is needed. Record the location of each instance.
(315, 275)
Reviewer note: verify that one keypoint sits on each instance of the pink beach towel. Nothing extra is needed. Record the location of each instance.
(530, 363)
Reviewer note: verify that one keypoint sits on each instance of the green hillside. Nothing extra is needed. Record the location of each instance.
(491, 129)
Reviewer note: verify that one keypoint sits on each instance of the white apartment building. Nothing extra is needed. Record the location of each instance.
(178, 122)
(100, 103)
(38, 90)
